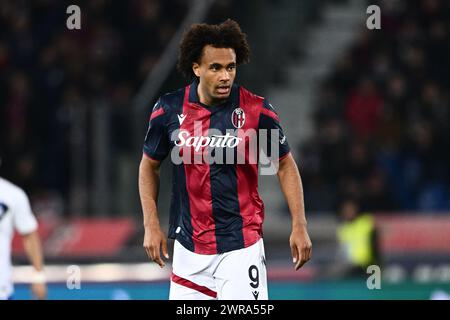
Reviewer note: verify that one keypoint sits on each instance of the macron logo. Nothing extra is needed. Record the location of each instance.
(181, 118)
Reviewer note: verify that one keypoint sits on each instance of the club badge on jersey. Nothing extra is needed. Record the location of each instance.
(238, 118)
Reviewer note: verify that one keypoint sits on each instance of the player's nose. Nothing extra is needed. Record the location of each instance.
(224, 76)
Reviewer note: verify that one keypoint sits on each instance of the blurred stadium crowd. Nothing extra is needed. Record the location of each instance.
(382, 116)
(48, 73)
(382, 119)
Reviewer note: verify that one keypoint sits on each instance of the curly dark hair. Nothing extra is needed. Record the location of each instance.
(228, 34)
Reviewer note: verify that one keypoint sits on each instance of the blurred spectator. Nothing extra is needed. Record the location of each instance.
(378, 196)
(386, 105)
(357, 238)
(363, 110)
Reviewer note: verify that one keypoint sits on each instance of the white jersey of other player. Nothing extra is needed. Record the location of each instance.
(15, 214)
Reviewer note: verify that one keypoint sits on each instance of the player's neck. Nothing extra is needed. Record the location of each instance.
(203, 98)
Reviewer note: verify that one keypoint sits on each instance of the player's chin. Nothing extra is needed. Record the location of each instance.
(222, 95)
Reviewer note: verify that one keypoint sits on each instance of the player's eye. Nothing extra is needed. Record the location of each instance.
(231, 68)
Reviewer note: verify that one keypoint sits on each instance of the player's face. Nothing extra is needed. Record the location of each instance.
(216, 70)
(349, 210)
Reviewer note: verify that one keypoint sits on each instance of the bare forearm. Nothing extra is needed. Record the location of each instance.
(154, 238)
(148, 190)
(33, 250)
(292, 188)
(291, 185)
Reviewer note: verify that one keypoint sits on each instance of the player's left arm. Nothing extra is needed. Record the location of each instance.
(26, 225)
(291, 186)
(33, 250)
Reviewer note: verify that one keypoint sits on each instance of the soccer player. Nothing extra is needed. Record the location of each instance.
(15, 213)
(216, 213)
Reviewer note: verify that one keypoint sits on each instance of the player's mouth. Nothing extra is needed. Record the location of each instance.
(223, 89)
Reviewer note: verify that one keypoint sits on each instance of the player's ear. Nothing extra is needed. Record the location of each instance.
(196, 69)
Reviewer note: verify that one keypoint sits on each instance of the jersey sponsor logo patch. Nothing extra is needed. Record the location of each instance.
(199, 142)
(238, 118)
(181, 118)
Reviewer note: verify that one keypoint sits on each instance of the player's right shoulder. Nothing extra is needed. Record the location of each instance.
(11, 189)
(171, 101)
(169, 105)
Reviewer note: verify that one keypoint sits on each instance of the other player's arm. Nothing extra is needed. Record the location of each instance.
(154, 238)
(33, 250)
(291, 185)
(26, 225)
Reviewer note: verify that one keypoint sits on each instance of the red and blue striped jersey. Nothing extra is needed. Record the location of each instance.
(215, 205)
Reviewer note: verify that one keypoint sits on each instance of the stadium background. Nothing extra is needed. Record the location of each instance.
(366, 113)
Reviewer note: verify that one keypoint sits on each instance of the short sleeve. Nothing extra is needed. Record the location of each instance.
(156, 143)
(269, 121)
(23, 218)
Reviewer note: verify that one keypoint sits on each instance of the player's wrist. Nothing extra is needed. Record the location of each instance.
(301, 224)
(38, 276)
(152, 225)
